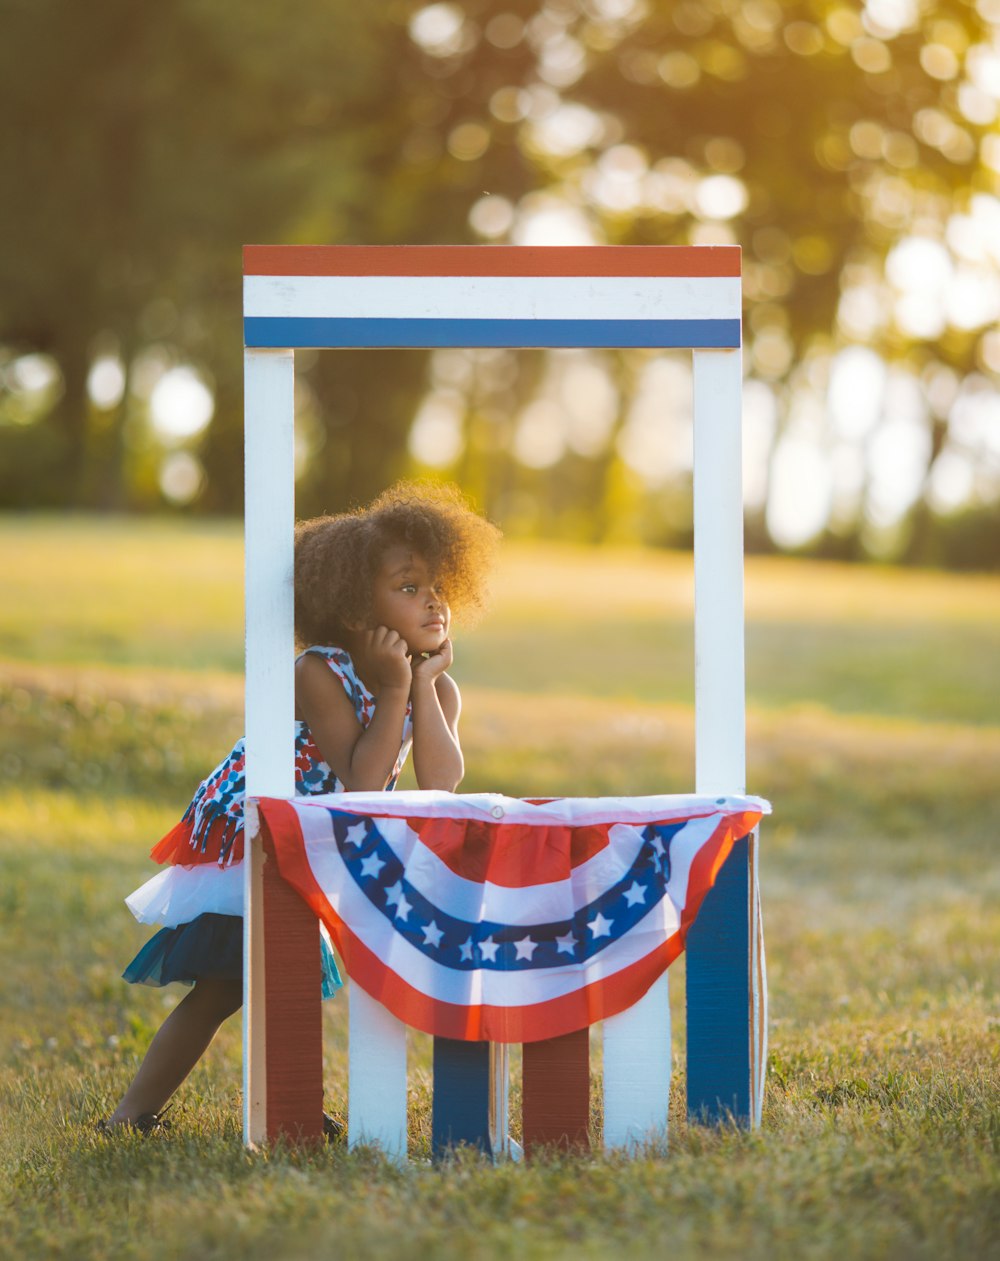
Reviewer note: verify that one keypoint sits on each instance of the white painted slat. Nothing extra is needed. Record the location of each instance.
(500, 1139)
(637, 1066)
(269, 418)
(720, 704)
(758, 985)
(493, 297)
(376, 1086)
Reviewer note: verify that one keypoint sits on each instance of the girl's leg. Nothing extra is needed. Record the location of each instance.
(180, 1043)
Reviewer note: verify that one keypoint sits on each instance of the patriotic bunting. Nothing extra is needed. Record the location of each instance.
(483, 917)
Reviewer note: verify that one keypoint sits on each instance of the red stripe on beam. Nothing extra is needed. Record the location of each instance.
(491, 260)
(292, 1018)
(555, 1101)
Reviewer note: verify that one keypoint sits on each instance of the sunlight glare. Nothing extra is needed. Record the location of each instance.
(436, 437)
(951, 481)
(181, 477)
(181, 404)
(32, 374)
(540, 436)
(801, 490)
(760, 417)
(106, 382)
(439, 30)
(854, 398)
(544, 219)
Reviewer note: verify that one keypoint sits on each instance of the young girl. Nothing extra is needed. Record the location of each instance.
(374, 594)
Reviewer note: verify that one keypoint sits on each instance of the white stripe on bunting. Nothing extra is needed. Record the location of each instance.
(376, 931)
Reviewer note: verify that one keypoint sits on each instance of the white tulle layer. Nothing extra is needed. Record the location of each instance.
(180, 894)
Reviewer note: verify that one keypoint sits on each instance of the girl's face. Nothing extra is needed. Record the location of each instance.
(405, 599)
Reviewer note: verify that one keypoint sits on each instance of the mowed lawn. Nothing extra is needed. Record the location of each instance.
(873, 729)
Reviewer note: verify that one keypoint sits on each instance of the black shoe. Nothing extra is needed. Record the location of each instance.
(334, 1130)
(147, 1123)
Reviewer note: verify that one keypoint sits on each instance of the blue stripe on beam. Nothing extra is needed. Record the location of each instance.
(280, 331)
(719, 1000)
(460, 1110)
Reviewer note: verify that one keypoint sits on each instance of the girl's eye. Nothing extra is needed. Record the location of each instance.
(408, 586)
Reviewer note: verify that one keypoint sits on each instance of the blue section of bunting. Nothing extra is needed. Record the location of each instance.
(466, 946)
(292, 331)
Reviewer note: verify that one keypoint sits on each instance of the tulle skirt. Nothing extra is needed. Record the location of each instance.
(210, 947)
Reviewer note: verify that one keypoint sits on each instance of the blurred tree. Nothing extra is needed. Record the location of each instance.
(142, 147)
(819, 135)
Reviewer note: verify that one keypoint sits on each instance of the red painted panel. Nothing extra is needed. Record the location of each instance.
(491, 260)
(293, 1023)
(555, 1105)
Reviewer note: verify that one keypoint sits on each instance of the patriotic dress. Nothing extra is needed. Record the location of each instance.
(199, 897)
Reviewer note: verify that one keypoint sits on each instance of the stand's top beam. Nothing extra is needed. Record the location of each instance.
(492, 295)
(491, 260)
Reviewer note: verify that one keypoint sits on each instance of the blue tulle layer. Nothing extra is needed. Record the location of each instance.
(209, 947)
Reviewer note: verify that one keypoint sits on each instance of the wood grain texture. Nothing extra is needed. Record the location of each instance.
(293, 1022)
(555, 1105)
(491, 260)
(719, 1005)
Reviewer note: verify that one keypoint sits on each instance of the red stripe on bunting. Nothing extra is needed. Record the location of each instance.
(512, 855)
(530, 1023)
(491, 260)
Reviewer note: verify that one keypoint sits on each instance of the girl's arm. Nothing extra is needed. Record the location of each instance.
(437, 754)
(362, 758)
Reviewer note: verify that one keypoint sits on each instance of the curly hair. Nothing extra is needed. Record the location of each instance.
(337, 557)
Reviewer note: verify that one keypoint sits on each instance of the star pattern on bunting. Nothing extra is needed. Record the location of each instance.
(432, 934)
(371, 866)
(600, 926)
(468, 944)
(357, 834)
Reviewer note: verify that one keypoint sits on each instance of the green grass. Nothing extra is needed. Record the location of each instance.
(872, 729)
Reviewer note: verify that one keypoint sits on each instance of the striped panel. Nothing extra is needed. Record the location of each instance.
(347, 333)
(376, 1076)
(720, 1028)
(555, 1093)
(491, 260)
(478, 296)
(637, 1062)
(509, 297)
(293, 1023)
(461, 1104)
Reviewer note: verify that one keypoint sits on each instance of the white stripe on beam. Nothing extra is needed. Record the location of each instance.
(499, 297)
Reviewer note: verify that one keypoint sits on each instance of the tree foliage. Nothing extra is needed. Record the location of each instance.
(143, 147)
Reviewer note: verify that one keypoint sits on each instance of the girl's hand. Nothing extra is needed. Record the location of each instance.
(429, 668)
(387, 652)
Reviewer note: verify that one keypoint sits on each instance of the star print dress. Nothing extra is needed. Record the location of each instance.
(199, 897)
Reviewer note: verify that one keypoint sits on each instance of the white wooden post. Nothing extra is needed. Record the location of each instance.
(637, 1063)
(720, 688)
(269, 411)
(726, 1002)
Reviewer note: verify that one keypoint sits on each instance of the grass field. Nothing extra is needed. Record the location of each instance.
(874, 731)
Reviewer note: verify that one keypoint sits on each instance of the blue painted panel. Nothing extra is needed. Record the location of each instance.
(276, 331)
(719, 1003)
(460, 1112)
